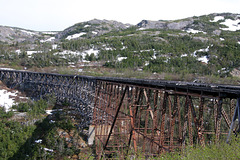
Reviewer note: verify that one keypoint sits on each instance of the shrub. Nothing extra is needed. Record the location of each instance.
(22, 107)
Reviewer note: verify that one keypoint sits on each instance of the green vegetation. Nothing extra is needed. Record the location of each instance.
(222, 151)
(162, 51)
(40, 60)
(13, 136)
(33, 109)
(34, 135)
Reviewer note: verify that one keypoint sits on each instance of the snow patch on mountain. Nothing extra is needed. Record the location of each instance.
(38, 141)
(49, 112)
(124, 47)
(29, 32)
(184, 55)
(50, 32)
(201, 50)
(108, 49)
(94, 51)
(86, 26)
(29, 53)
(141, 29)
(190, 30)
(203, 59)
(18, 51)
(217, 18)
(50, 150)
(48, 40)
(232, 25)
(77, 53)
(75, 36)
(67, 52)
(105, 47)
(54, 46)
(93, 32)
(6, 69)
(223, 71)
(121, 58)
(7, 99)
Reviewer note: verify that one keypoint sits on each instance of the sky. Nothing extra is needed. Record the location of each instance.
(57, 15)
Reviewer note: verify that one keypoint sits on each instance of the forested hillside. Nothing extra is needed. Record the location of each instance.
(195, 47)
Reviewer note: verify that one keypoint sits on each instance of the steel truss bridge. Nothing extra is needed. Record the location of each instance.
(135, 115)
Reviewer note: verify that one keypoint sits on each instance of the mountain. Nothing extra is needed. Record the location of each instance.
(208, 23)
(198, 46)
(96, 27)
(13, 35)
(91, 28)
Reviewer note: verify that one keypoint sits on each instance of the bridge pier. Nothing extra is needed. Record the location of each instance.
(153, 120)
(91, 135)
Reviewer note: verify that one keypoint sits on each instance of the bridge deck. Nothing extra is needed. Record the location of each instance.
(206, 89)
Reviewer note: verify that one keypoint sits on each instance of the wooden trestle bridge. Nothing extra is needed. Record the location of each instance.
(136, 115)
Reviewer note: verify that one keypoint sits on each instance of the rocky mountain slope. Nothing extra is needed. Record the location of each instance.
(14, 35)
(96, 27)
(206, 23)
(147, 24)
(91, 28)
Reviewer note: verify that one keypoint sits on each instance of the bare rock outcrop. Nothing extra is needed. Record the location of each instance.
(12, 34)
(165, 24)
(93, 28)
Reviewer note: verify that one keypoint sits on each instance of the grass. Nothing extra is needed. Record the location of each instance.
(221, 151)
